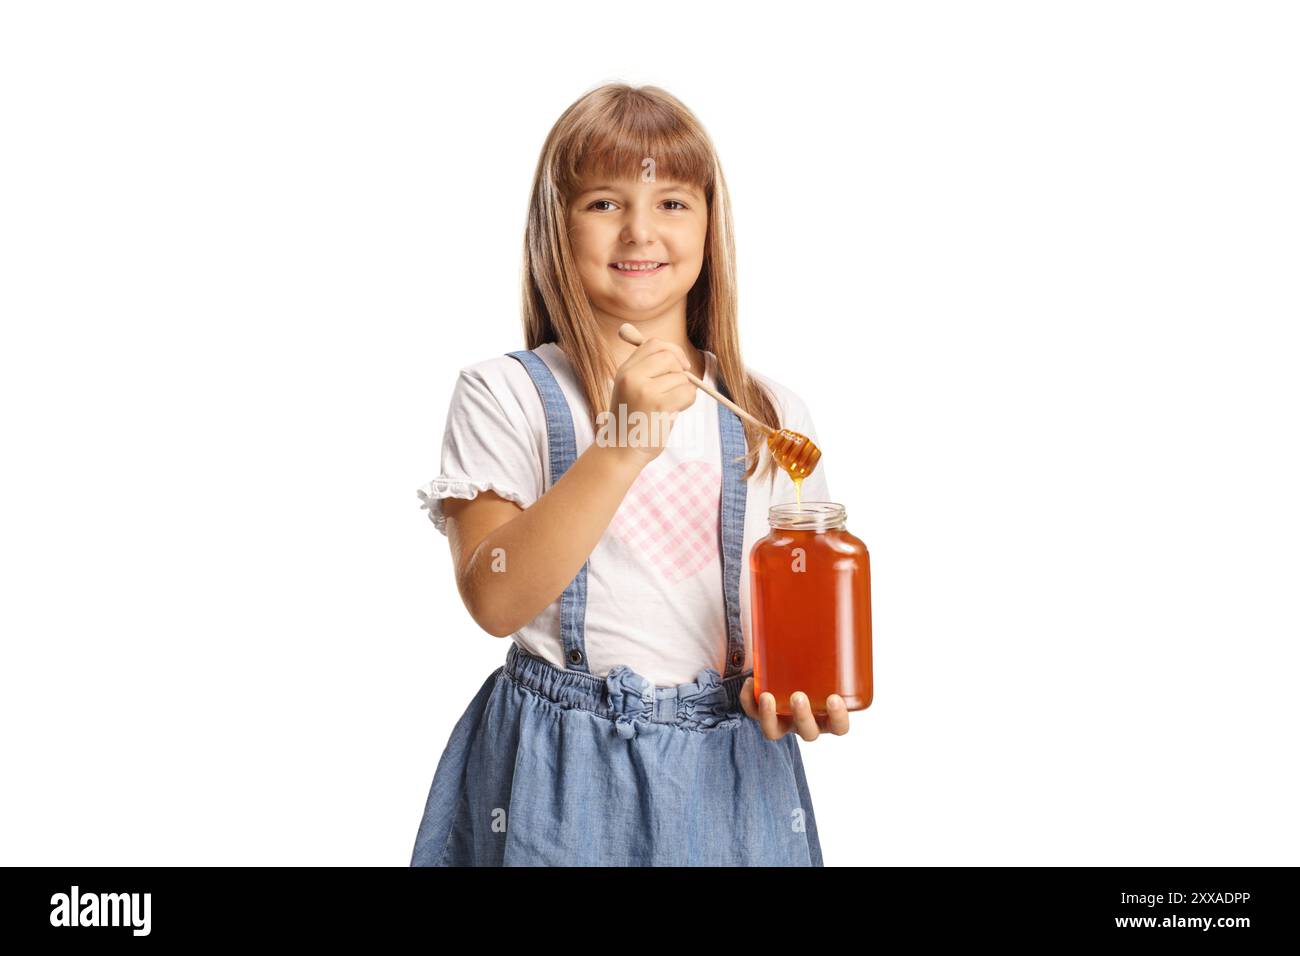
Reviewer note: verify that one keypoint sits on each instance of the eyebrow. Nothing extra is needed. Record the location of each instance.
(677, 188)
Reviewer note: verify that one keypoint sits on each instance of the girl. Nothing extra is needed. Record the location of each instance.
(621, 729)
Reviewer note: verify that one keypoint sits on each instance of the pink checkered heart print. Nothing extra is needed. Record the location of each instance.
(671, 517)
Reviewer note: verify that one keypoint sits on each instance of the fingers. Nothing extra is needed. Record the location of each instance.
(805, 724)
(664, 363)
(680, 395)
(671, 380)
(774, 726)
(837, 715)
(747, 699)
(652, 373)
(764, 711)
(665, 356)
(665, 380)
(676, 350)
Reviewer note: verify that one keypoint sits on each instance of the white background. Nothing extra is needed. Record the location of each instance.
(1031, 265)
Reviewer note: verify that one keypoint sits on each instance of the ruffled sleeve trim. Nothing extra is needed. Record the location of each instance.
(432, 494)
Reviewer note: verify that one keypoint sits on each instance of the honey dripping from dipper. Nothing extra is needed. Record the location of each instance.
(796, 454)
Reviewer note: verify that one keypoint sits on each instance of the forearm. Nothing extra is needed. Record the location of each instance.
(521, 567)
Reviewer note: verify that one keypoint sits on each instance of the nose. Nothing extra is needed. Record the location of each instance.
(638, 227)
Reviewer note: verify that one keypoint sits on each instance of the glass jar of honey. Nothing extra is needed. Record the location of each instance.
(810, 591)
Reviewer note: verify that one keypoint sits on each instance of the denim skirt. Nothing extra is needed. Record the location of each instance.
(556, 767)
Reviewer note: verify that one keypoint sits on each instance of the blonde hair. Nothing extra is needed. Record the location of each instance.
(609, 131)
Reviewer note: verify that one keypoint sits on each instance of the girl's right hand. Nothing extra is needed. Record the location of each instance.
(651, 382)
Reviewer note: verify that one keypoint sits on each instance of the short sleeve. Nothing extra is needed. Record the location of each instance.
(487, 445)
(815, 486)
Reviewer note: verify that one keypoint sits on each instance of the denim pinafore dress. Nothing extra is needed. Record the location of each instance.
(554, 766)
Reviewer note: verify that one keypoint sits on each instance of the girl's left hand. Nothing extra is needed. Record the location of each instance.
(804, 722)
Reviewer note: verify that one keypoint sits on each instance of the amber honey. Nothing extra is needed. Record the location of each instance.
(795, 453)
(810, 589)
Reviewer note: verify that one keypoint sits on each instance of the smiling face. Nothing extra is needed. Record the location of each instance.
(656, 228)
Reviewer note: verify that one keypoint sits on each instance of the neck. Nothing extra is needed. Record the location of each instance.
(670, 327)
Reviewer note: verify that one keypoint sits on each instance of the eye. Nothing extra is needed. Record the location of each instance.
(600, 201)
(679, 202)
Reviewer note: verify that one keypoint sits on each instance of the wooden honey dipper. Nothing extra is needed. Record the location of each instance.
(794, 452)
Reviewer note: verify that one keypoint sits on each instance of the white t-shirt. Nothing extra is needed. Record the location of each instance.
(654, 580)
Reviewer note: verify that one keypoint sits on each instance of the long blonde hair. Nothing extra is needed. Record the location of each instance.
(609, 131)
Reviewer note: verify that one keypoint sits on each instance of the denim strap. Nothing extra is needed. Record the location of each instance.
(563, 452)
(732, 526)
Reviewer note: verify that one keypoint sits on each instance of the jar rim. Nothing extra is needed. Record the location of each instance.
(809, 516)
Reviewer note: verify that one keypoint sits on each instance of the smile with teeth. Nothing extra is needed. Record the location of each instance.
(637, 266)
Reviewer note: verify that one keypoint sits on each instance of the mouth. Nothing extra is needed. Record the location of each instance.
(638, 267)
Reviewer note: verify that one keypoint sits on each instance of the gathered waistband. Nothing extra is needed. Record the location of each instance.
(628, 699)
